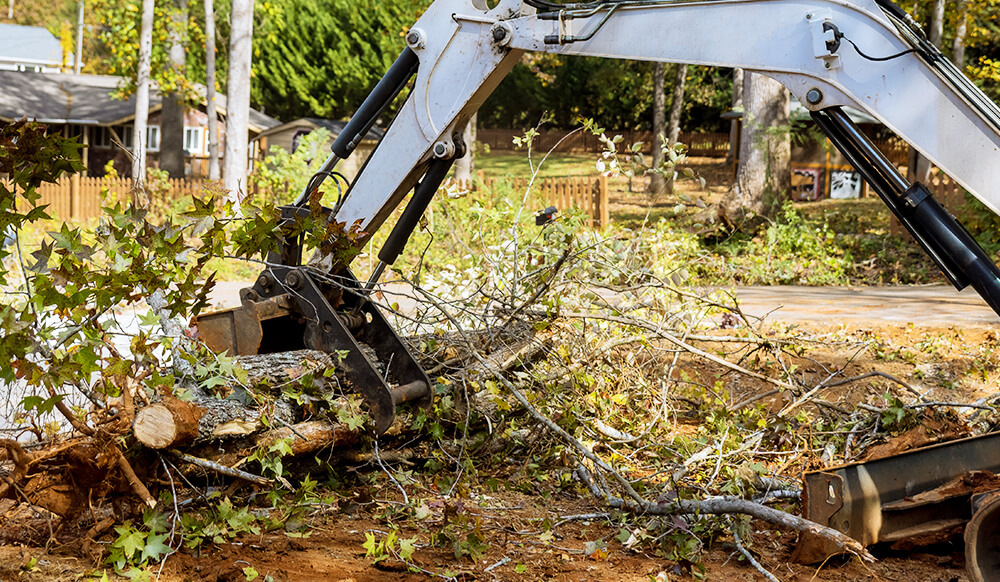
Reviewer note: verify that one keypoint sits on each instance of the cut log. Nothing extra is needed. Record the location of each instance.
(168, 423)
(311, 436)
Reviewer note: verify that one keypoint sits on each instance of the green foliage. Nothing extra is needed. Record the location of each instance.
(218, 524)
(119, 25)
(323, 56)
(137, 546)
(282, 176)
(618, 92)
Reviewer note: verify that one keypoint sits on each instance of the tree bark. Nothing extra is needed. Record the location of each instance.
(210, 104)
(78, 57)
(918, 168)
(764, 175)
(936, 32)
(961, 31)
(172, 114)
(465, 167)
(674, 127)
(656, 182)
(238, 100)
(735, 124)
(142, 94)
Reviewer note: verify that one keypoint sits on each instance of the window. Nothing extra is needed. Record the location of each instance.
(193, 141)
(153, 138)
(100, 137)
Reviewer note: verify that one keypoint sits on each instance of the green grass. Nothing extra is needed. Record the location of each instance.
(517, 164)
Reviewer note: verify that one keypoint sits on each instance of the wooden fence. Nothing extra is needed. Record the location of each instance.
(79, 198)
(586, 193)
(699, 144)
(704, 144)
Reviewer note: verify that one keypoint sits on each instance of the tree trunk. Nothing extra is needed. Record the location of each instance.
(142, 94)
(734, 125)
(918, 168)
(78, 57)
(961, 31)
(210, 105)
(166, 424)
(676, 106)
(764, 175)
(238, 100)
(936, 32)
(172, 114)
(465, 167)
(656, 182)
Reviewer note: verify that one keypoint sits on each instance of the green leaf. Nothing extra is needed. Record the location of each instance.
(155, 548)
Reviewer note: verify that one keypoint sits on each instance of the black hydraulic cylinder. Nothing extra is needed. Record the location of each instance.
(883, 177)
(952, 242)
(377, 101)
(422, 195)
(954, 250)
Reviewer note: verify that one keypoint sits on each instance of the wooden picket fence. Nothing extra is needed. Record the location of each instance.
(588, 194)
(79, 198)
(698, 143)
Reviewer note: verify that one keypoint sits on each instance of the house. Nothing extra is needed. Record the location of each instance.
(31, 48)
(81, 105)
(287, 136)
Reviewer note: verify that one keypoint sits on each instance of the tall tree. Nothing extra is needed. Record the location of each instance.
(142, 94)
(238, 99)
(656, 182)
(172, 152)
(734, 125)
(210, 104)
(764, 175)
(918, 168)
(676, 105)
(961, 31)
(465, 166)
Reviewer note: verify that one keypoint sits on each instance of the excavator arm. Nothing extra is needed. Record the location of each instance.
(865, 54)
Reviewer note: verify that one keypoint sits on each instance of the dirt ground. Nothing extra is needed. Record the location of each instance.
(946, 361)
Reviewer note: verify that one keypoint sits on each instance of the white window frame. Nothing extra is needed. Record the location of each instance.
(152, 138)
(198, 148)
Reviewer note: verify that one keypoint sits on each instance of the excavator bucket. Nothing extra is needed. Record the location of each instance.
(292, 307)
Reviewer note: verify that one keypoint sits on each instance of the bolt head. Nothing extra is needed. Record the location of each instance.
(814, 96)
(809, 16)
(499, 33)
(412, 37)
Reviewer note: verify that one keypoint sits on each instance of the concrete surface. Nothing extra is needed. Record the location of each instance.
(921, 304)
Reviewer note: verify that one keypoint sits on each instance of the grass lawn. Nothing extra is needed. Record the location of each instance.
(517, 164)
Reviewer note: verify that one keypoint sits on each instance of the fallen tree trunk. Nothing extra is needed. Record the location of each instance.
(168, 423)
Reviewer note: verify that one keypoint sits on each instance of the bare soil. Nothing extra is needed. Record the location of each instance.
(947, 362)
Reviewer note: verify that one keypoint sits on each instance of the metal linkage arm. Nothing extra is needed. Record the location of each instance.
(465, 48)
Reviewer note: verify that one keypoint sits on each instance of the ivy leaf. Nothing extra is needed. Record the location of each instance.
(155, 547)
(406, 548)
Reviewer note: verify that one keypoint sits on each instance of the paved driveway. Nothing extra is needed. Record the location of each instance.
(920, 304)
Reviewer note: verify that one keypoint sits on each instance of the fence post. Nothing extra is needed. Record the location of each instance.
(604, 217)
(74, 197)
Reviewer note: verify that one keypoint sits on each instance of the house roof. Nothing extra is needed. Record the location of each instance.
(30, 44)
(82, 100)
(334, 126)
